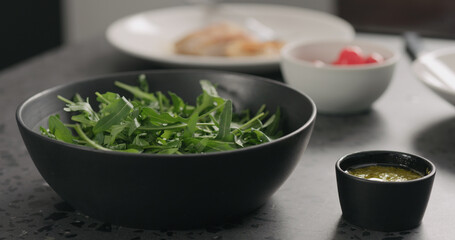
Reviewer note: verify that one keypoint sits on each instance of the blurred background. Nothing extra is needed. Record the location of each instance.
(30, 27)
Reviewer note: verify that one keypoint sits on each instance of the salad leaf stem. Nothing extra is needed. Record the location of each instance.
(170, 127)
(202, 116)
(247, 124)
(136, 91)
(103, 99)
(65, 100)
(81, 134)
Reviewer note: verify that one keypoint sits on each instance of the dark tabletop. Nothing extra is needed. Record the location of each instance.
(408, 117)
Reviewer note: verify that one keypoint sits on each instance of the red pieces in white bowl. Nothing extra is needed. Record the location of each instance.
(353, 55)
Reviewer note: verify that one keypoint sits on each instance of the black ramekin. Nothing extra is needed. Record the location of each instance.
(384, 206)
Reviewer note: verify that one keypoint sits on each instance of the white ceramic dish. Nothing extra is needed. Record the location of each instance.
(337, 89)
(436, 70)
(151, 35)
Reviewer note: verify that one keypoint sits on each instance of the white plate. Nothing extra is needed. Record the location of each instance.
(437, 71)
(151, 35)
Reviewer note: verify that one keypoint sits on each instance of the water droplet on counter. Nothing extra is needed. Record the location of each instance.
(69, 234)
(78, 223)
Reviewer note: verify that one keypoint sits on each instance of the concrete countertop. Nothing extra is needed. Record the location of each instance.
(408, 117)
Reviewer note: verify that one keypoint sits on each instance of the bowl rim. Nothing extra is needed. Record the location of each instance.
(286, 55)
(22, 105)
(370, 152)
(416, 65)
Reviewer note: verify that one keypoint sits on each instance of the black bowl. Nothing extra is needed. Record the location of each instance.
(169, 191)
(384, 206)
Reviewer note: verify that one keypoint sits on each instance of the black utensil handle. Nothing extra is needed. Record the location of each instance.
(413, 44)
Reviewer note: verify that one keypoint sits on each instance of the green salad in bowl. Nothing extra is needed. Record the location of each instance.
(164, 124)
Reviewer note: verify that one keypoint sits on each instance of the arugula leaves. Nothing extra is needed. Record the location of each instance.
(224, 132)
(58, 129)
(162, 124)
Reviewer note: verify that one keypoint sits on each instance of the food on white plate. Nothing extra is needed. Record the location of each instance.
(225, 39)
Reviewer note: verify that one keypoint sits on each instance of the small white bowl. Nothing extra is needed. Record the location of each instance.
(337, 89)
